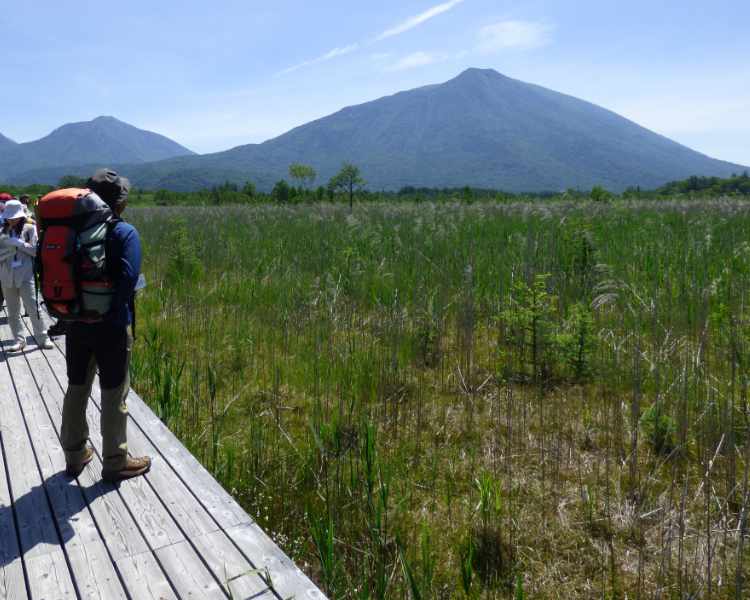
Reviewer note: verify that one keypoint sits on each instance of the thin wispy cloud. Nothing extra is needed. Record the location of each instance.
(520, 35)
(414, 60)
(417, 20)
(335, 53)
(402, 27)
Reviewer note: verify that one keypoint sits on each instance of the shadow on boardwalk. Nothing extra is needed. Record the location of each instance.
(35, 524)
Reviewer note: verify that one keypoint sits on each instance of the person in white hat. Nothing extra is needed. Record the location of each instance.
(18, 239)
(4, 197)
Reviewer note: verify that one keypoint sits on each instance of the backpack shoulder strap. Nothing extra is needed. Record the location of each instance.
(111, 224)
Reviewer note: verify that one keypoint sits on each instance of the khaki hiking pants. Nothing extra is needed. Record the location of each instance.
(13, 298)
(107, 347)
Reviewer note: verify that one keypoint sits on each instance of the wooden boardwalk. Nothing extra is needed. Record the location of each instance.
(174, 533)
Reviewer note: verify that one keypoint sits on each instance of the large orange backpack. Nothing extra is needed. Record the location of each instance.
(75, 281)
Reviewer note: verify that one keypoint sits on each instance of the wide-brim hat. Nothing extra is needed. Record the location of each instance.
(13, 210)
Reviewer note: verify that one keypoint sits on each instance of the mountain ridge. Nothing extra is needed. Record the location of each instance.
(6, 142)
(102, 140)
(481, 129)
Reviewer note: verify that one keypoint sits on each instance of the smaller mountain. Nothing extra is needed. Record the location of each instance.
(6, 143)
(104, 140)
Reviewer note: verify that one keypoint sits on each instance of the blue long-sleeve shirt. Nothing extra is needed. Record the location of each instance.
(124, 261)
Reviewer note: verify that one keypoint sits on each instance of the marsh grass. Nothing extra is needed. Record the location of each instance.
(487, 401)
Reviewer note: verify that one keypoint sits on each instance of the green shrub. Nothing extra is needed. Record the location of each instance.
(183, 265)
(659, 429)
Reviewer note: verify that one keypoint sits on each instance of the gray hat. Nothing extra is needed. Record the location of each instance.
(109, 186)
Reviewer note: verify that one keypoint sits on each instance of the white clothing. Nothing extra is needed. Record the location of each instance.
(17, 266)
(13, 297)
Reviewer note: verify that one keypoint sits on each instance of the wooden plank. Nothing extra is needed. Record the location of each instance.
(12, 583)
(68, 503)
(145, 578)
(190, 576)
(234, 571)
(49, 577)
(125, 540)
(94, 572)
(286, 577)
(75, 523)
(48, 573)
(35, 521)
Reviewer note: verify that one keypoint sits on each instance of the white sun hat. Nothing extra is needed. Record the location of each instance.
(13, 210)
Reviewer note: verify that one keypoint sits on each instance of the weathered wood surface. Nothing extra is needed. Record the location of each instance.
(175, 533)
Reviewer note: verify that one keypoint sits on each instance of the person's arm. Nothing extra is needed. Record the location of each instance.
(6, 252)
(128, 266)
(28, 245)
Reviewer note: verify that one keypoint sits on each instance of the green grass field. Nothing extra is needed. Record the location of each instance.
(425, 400)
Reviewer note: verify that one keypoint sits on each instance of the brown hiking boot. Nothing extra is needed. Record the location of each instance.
(133, 468)
(75, 470)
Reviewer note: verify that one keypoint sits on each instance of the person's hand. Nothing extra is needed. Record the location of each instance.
(15, 242)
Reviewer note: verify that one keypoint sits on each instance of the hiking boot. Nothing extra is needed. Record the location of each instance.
(57, 329)
(17, 347)
(133, 468)
(75, 470)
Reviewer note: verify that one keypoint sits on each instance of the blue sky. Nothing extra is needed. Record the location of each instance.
(218, 74)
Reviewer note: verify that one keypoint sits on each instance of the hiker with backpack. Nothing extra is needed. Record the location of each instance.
(4, 197)
(89, 265)
(18, 247)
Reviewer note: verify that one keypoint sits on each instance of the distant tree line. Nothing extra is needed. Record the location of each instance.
(349, 186)
(709, 186)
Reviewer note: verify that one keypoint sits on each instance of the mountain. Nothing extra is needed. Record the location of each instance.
(102, 141)
(480, 129)
(6, 143)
